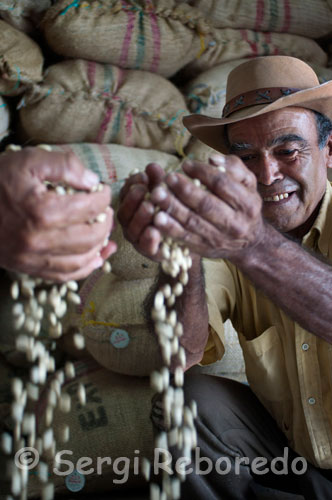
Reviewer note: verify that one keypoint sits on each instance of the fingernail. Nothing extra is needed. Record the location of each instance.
(159, 193)
(217, 160)
(172, 179)
(98, 262)
(90, 178)
(161, 219)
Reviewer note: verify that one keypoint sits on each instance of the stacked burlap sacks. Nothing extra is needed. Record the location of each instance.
(83, 101)
(24, 15)
(159, 36)
(21, 60)
(308, 18)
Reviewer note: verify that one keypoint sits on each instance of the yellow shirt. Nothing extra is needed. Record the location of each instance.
(288, 368)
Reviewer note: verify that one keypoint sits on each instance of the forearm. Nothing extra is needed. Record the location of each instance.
(295, 280)
(191, 311)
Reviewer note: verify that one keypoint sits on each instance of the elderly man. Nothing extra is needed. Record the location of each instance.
(46, 235)
(265, 224)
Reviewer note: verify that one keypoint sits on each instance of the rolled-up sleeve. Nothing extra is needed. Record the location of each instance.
(221, 293)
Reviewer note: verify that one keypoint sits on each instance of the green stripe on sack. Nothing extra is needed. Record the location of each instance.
(140, 41)
(90, 159)
(273, 15)
(117, 123)
(108, 78)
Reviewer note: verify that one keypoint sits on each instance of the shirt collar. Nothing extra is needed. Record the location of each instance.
(321, 231)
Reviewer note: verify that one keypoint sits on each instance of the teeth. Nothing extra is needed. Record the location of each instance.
(276, 197)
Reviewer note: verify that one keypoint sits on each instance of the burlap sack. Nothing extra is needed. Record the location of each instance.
(4, 119)
(224, 45)
(113, 162)
(21, 60)
(160, 36)
(308, 18)
(23, 14)
(111, 317)
(114, 423)
(206, 93)
(82, 101)
(197, 150)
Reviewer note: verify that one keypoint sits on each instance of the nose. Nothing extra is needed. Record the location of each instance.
(268, 170)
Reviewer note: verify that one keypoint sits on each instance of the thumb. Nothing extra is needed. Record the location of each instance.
(61, 167)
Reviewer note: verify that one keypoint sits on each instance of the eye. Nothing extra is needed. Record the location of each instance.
(287, 152)
(247, 158)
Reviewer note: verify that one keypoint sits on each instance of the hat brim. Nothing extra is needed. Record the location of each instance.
(211, 130)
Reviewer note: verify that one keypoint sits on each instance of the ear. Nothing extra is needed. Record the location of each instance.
(329, 152)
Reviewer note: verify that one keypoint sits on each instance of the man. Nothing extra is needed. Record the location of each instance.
(268, 212)
(44, 234)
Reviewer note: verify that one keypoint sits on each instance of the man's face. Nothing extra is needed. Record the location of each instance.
(281, 149)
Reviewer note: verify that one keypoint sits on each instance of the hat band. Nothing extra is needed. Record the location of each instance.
(254, 97)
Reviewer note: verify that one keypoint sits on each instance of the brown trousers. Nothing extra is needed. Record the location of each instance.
(234, 425)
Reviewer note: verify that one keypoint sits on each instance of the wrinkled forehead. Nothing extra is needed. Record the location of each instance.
(263, 129)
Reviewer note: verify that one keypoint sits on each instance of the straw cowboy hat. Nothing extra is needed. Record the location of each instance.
(259, 86)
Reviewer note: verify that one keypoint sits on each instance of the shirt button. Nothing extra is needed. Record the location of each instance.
(305, 347)
(311, 401)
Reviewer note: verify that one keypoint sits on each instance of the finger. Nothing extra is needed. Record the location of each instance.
(54, 210)
(149, 243)
(191, 206)
(171, 228)
(74, 239)
(231, 166)
(59, 167)
(142, 218)
(225, 185)
(62, 276)
(108, 250)
(228, 201)
(155, 173)
(140, 178)
(130, 203)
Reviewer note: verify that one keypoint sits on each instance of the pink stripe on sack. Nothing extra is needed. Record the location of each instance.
(103, 126)
(156, 43)
(252, 45)
(129, 127)
(92, 73)
(127, 38)
(287, 20)
(259, 14)
(110, 168)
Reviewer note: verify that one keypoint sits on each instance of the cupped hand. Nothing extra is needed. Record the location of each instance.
(43, 233)
(218, 222)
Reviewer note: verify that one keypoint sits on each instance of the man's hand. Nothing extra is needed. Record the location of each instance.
(218, 223)
(43, 233)
(136, 214)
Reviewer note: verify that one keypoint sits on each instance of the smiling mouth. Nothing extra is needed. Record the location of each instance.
(278, 197)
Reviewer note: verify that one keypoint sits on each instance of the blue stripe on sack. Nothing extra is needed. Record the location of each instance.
(75, 3)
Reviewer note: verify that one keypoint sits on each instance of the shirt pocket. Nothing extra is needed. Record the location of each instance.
(266, 371)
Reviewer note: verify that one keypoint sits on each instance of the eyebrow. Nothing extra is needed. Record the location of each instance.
(243, 146)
